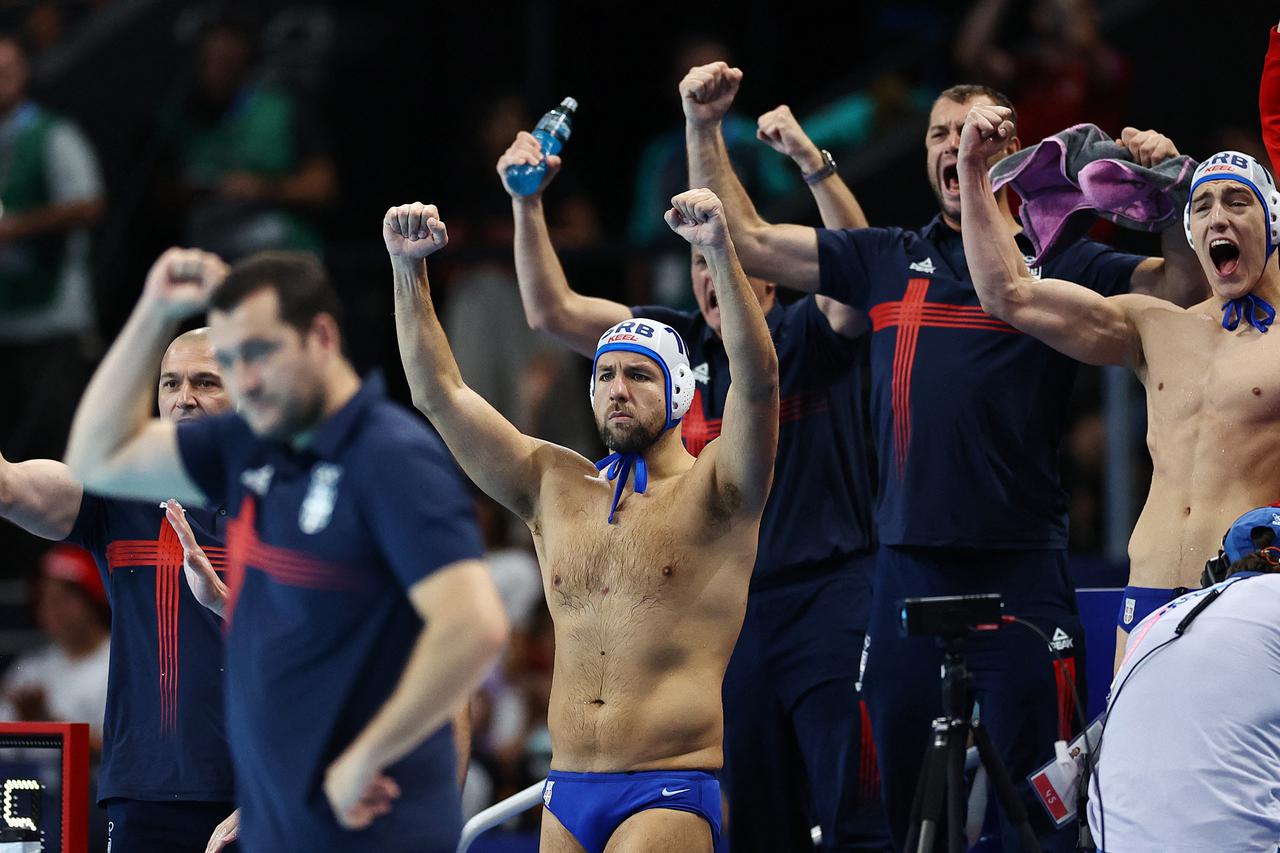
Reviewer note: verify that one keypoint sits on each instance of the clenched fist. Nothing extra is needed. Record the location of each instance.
(780, 130)
(698, 216)
(1147, 147)
(413, 231)
(987, 131)
(707, 92)
(526, 151)
(181, 280)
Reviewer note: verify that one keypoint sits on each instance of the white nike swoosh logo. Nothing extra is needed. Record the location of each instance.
(667, 793)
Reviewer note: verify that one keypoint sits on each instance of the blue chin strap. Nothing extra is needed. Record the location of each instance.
(620, 466)
(1254, 310)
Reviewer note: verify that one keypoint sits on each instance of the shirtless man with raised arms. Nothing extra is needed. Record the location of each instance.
(646, 566)
(1213, 392)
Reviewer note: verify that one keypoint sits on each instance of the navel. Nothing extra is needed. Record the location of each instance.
(1187, 511)
(1257, 392)
(667, 570)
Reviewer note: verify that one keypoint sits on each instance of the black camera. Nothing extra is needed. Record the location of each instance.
(950, 615)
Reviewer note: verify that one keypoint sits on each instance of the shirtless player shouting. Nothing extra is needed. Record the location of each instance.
(1213, 393)
(646, 565)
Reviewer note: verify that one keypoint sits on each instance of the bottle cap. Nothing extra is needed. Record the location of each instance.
(570, 104)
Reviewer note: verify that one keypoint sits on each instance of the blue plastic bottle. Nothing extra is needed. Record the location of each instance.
(552, 133)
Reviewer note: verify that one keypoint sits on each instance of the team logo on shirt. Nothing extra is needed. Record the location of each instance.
(258, 480)
(702, 373)
(925, 266)
(1129, 605)
(1061, 640)
(1035, 271)
(546, 793)
(317, 506)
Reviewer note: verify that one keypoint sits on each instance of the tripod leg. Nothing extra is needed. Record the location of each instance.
(1005, 791)
(955, 788)
(931, 808)
(917, 801)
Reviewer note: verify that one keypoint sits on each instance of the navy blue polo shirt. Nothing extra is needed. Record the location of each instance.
(968, 412)
(323, 545)
(163, 738)
(819, 509)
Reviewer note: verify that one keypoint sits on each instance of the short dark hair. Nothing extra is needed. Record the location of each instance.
(962, 93)
(1254, 562)
(298, 279)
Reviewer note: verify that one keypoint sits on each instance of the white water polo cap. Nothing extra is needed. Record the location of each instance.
(664, 345)
(1239, 167)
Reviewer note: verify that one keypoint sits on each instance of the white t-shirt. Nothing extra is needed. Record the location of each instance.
(75, 690)
(1190, 756)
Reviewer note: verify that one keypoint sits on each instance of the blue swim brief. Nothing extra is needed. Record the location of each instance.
(1139, 602)
(592, 805)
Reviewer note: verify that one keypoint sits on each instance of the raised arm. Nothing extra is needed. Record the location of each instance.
(784, 254)
(550, 305)
(744, 452)
(116, 447)
(1269, 99)
(780, 130)
(498, 458)
(1072, 319)
(1176, 276)
(41, 496)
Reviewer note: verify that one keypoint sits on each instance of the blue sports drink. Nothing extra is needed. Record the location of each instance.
(552, 133)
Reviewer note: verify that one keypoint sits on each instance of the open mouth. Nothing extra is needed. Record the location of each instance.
(1225, 256)
(951, 178)
(712, 301)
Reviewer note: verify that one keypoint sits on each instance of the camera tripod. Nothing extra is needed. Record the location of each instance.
(942, 775)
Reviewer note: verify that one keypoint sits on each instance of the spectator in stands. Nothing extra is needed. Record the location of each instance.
(1063, 74)
(250, 160)
(67, 679)
(50, 193)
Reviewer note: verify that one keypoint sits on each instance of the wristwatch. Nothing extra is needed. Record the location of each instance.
(828, 169)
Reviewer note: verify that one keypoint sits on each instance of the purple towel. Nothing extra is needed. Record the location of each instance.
(1080, 173)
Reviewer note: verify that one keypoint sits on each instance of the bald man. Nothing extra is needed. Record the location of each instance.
(166, 774)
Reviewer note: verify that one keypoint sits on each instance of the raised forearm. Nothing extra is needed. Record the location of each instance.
(117, 404)
(1269, 100)
(429, 364)
(837, 205)
(995, 263)
(747, 342)
(550, 304)
(784, 254)
(710, 167)
(40, 496)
